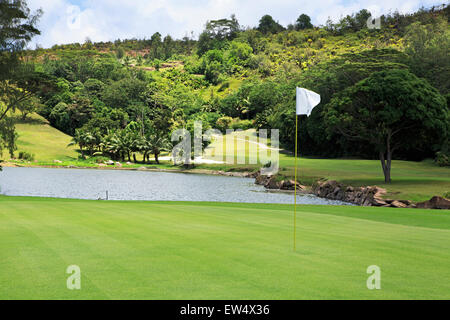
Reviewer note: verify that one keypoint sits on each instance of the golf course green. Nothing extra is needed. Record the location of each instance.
(184, 250)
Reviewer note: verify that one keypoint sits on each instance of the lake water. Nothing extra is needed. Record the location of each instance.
(140, 185)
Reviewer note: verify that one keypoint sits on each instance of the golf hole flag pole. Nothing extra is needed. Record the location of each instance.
(306, 101)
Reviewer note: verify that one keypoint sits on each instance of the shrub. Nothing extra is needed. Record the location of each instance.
(442, 159)
(242, 124)
(224, 123)
(26, 156)
(98, 159)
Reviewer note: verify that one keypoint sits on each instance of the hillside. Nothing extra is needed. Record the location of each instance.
(122, 100)
(38, 137)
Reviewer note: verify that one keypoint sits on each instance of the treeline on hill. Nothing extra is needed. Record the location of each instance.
(125, 97)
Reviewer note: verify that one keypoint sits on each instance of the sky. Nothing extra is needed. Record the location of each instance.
(69, 21)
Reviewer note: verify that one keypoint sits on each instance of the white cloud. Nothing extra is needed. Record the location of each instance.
(107, 20)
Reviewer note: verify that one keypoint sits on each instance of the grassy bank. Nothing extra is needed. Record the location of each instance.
(158, 250)
(46, 143)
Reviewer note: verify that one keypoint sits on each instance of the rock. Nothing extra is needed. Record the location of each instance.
(262, 180)
(57, 161)
(379, 202)
(406, 202)
(110, 163)
(253, 174)
(398, 204)
(435, 203)
(118, 164)
(290, 185)
(102, 165)
(273, 183)
(129, 163)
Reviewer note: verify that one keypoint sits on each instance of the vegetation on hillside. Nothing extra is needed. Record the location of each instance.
(123, 99)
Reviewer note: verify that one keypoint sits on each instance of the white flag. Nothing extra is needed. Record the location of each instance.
(306, 101)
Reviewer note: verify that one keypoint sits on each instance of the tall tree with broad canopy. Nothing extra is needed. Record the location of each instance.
(303, 22)
(216, 34)
(389, 110)
(268, 25)
(17, 27)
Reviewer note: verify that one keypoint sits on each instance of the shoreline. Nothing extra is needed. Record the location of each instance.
(142, 168)
(330, 189)
(306, 190)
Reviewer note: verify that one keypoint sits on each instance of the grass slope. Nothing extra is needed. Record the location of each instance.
(45, 142)
(158, 250)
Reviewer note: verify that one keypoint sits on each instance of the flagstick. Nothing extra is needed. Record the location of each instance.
(295, 181)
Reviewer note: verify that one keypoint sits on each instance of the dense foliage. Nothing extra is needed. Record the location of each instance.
(18, 81)
(136, 90)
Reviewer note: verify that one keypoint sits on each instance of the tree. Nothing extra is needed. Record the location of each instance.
(120, 53)
(217, 33)
(158, 143)
(28, 106)
(327, 79)
(22, 85)
(268, 25)
(79, 139)
(143, 146)
(8, 136)
(240, 53)
(17, 27)
(303, 22)
(168, 47)
(361, 18)
(428, 47)
(156, 46)
(390, 110)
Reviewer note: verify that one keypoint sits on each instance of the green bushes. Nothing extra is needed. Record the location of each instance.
(442, 159)
(26, 156)
(225, 123)
(242, 124)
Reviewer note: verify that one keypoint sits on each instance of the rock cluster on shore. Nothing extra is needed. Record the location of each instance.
(273, 183)
(363, 196)
(435, 203)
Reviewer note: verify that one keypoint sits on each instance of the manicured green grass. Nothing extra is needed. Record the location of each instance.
(36, 136)
(160, 250)
(416, 181)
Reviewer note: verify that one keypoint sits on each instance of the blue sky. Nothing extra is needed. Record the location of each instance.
(68, 21)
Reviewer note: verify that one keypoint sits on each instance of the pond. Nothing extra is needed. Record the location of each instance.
(140, 185)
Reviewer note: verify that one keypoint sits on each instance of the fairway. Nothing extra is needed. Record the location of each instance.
(161, 250)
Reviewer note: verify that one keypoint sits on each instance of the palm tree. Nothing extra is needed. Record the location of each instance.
(112, 145)
(158, 144)
(142, 145)
(78, 139)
